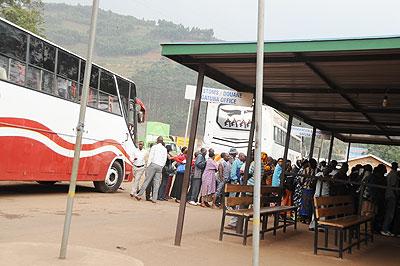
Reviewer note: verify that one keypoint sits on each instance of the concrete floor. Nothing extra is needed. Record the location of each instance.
(117, 224)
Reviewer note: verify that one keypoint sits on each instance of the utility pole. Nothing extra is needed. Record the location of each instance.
(79, 130)
(258, 127)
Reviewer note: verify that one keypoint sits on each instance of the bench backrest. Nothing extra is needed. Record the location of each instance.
(333, 206)
(268, 195)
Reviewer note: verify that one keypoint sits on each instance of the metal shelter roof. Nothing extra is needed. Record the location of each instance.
(334, 85)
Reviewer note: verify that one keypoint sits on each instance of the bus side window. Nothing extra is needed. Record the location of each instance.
(3, 68)
(13, 42)
(93, 84)
(108, 97)
(41, 54)
(94, 75)
(67, 89)
(47, 81)
(123, 87)
(92, 97)
(17, 72)
(33, 78)
(67, 65)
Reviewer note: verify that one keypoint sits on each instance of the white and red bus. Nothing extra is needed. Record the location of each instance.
(40, 88)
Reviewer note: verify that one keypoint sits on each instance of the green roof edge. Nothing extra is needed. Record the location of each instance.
(170, 49)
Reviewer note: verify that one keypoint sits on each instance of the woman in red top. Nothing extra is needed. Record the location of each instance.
(180, 170)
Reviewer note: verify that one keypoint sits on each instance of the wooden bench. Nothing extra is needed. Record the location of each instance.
(237, 205)
(338, 213)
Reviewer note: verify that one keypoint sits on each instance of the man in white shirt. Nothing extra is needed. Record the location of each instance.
(139, 166)
(155, 164)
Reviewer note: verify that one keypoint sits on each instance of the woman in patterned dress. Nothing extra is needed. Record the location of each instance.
(208, 180)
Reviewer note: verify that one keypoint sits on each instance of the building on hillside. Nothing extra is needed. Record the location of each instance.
(369, 159)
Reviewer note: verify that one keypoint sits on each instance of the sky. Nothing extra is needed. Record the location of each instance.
(236, 20)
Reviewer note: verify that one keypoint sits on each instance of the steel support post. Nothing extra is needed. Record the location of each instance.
(239, 224)
(321, 146)
(348, 152)
(249, 146)
(192, 140)
(331, 148)
(258, 128)
(79, 132)
(287, 144)
(187, 123)
(311, 154)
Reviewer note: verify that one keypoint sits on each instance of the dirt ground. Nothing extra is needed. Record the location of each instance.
(145, 231)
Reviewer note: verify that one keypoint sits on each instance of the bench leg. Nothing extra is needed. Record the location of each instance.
(372, 231)
(264, 226)
(295, 220)
(326, 236)
(246, 225)
(276, 222)
(341, 243)
(316, 239)
(358, 237)
(336, 237)
(345, 235)
(284, 222)
(366, 233)
(350, 239)
(239, 225)
(221, 231)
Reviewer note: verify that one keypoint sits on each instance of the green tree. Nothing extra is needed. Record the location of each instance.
(386, 152)
(25, 13)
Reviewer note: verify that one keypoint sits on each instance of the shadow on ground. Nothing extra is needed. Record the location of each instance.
(24, 188)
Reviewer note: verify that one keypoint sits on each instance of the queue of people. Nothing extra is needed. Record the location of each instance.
(302, 181)
(383, 203)
(164, 174)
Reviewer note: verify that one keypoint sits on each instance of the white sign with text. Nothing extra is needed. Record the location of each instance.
(213, 95)
(307, 132)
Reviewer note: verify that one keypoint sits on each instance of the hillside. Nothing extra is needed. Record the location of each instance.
(131, 47)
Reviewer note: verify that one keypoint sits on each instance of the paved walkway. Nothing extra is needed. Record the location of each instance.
(43, 254)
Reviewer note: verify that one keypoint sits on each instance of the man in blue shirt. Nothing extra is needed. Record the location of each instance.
(235, 169)
(276, 177)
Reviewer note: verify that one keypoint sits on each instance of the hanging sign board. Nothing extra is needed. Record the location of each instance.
(307, 132)
(212, 95)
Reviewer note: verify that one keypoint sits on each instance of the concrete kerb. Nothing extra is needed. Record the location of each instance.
(28, 253)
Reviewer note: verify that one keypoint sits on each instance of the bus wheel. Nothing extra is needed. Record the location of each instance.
(112, 181)
(46, 183)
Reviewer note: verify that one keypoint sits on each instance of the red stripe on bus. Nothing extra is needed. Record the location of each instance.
(42, 129)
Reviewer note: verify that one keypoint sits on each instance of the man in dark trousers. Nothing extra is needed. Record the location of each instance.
(396, 221)
(195, 183)
(392, 180)
(156, 162)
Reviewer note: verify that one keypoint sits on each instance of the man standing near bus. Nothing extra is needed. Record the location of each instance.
(139, 166)
(156, 162)
(236, 165)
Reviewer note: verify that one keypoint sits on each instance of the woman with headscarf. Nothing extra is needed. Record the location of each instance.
(208, 181)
